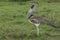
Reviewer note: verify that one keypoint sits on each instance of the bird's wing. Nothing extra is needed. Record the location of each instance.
(37, 19)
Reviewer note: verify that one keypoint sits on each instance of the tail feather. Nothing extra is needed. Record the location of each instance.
(50, 23)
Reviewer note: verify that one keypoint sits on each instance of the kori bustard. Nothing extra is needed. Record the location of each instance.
(37, 20)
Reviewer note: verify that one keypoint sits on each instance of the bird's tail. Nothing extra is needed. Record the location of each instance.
(51, 23)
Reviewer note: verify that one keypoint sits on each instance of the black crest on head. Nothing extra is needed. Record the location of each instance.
(32, 6)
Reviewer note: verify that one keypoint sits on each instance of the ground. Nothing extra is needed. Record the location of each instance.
(15, 26)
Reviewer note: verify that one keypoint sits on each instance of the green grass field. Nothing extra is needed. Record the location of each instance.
(14, 24)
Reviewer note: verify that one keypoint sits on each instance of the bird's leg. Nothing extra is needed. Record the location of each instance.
(37, 28)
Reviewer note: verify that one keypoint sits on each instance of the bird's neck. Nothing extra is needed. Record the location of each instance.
(30, 12)
(30, 16)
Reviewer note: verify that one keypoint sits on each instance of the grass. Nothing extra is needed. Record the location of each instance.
(14, 24)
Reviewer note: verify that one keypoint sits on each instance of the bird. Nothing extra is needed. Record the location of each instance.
(37, 20)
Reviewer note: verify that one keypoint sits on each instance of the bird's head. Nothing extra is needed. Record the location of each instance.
(34, 5)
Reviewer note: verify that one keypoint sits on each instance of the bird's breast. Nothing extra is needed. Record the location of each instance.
(30, 21)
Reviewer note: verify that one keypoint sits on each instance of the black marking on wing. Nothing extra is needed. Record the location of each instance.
(35, 21)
